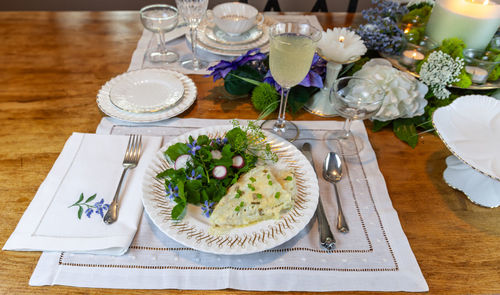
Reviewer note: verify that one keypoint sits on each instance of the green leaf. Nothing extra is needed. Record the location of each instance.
(90, 198)
(80, 212)
(251, 81)
(193, 191)
(378, 125)
(202, 140)
(79, 200)
(175, 150)
(298, 97)
(180, 186)
(235, 85)
(178, 210)
(406, 131)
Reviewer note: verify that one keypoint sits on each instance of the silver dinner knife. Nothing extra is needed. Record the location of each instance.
(325, 234)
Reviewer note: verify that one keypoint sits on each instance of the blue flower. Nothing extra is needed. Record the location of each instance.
(172, 192)
(89, 212)
(100, 207)
(193, 147)
(223, 68)
(314, 77)
(221, 141)
(193, 175)
(207, 208)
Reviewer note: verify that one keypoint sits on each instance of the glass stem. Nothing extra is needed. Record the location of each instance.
(280, 122)
(193, 31)
(163, 48)
(347, 127)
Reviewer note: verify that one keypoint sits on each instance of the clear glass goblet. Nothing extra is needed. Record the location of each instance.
(160, 19)
(354, 99)
(193, 12)
(290, 57)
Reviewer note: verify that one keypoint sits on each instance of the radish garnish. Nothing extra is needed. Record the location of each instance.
(181, 161)
(238, 162)
(219, 172)
(216, 154)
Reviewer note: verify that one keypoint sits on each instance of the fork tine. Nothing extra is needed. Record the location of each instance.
(127, 151)
(139, 150)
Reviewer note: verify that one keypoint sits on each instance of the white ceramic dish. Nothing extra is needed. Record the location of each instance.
(217, 35)
(479, 188)
(192, 231)
(146, 91)
(235, 18)
(470, 128)
(106, 106)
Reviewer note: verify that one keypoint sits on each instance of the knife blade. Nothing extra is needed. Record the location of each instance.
(326, 237)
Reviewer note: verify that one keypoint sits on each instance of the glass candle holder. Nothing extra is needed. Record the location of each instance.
(479, 65)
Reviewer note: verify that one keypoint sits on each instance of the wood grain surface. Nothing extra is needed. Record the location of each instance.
(51, 67)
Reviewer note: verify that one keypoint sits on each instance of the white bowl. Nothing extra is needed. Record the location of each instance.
(235, 18)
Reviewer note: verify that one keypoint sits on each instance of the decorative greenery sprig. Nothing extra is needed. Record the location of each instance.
(98, 207)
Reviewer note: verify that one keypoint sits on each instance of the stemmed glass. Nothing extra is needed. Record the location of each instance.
(354, 99)
(160, 19)
(193, 12)
(291, 54)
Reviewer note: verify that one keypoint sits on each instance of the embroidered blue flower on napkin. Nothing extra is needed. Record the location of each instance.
(98, 207)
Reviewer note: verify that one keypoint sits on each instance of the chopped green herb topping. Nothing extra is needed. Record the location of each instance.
(259, 196)
(240, 192)
(251, 187)
(237, 208)
(237, 196)
(288, 178)
(270, 182)
(268, 176)
(277, 195)
(242, 204)
(252, 179)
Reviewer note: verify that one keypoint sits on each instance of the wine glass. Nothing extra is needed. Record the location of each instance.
(160, 19)
(354, 99)
(291, 54)
(193, 12)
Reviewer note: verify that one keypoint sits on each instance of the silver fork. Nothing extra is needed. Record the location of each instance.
(130, 161)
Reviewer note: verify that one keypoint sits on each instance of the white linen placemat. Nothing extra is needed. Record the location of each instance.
(373, 256)
(66, 212)
(177, 42)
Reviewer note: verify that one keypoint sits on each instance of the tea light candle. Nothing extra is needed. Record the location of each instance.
(477, 74)
(410, 57)
(473, 21)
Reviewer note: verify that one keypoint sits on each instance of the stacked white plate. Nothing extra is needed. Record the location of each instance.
(214, 40)
(147, 95)
(470, 128)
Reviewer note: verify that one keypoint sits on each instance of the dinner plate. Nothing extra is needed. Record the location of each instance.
(470, 128)
(215, 34)
(395, 63)
(479, 188)
(146, 91)
(193, 230)
(189, 96)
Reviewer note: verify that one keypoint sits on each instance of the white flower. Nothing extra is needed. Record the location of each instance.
(404, 94)
(341, 45)
(441, 70)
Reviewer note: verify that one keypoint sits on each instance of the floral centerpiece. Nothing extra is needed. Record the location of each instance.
(409, 102)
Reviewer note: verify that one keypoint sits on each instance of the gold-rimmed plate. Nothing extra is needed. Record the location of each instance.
(193, 230)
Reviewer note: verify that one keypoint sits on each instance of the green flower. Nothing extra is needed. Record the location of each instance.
(265, 96)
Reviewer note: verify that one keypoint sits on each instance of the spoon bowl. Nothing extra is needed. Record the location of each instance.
(332, 172)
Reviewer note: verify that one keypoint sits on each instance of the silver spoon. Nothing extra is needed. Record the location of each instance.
(332, 172)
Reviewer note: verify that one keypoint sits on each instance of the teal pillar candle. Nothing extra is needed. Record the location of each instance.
(473, 21)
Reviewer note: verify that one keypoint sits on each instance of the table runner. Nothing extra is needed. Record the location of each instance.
(373, 256)
(179, 45)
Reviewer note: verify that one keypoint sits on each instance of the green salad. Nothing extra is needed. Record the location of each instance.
(204, 168)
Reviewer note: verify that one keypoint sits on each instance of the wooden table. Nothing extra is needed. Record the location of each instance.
(51, 67)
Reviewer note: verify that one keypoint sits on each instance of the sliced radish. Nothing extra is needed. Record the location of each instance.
(181, 161)
(216, 154)
(238, 162)
(219, 172)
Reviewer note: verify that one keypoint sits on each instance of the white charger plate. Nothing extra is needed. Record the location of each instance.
(193, 230)
(188, 98)
(470, 128)
(146, 91)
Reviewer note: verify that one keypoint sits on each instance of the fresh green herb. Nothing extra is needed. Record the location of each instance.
(237, 209)
(268, 176)
(251, 187)
(259, 196)
(194, 183)
(253, 179)
(277, 195)
(288, 178)
(237, 196)
(270, 182)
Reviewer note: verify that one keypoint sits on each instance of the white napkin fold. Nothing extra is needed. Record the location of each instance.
(89, 165)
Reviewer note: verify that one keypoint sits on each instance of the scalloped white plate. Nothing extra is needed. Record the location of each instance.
(470, 128)
(145, 91)
(480, 189)
(193, 230)
(188, 98)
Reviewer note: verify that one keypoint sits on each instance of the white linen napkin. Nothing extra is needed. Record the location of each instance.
(66, 212)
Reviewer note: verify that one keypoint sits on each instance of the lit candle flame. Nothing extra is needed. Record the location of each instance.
(486, 2)
(414, 54)
(341, 39)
